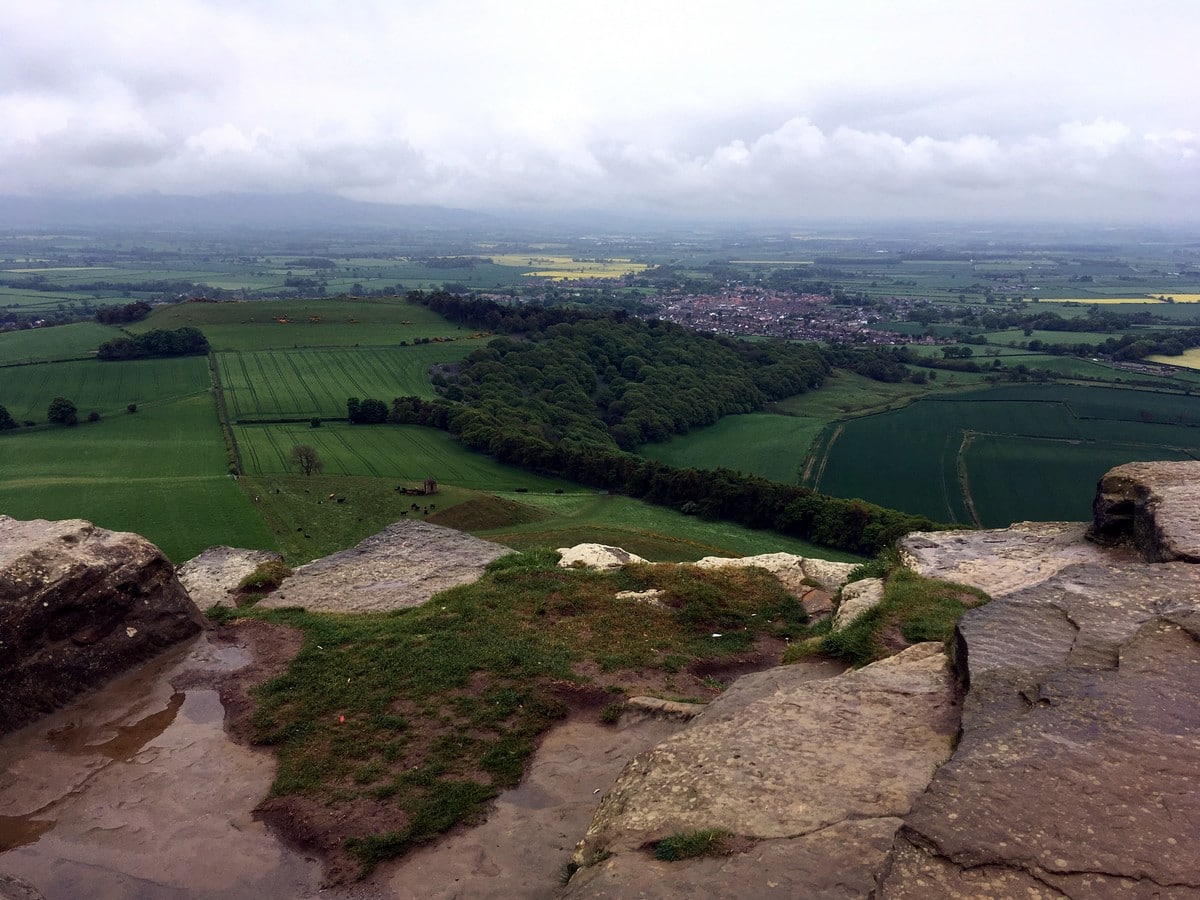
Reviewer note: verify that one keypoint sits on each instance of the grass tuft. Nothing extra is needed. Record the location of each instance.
(691, 844)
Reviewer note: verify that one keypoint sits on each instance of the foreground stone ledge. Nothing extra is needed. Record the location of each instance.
(784, 756)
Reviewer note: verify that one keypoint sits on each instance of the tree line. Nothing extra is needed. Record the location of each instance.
(186, 341)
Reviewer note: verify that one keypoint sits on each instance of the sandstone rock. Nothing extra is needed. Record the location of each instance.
(857, 598)
(212, 578)
(1001, 560)
(791, 570)
(596, 556)
(1154, 505)
(819, 772)
(79, 604)
(402, 566)
(817, 602)
(1077, 764)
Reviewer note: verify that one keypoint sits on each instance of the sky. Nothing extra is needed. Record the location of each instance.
(797, 110)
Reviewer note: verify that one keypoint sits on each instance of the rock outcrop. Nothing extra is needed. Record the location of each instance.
(1077, 770)
(797, 573)
(1075, 774)
(78, 605)
(817, 774)
(596, 556)
(1153, 505)
(402, 566)
(212, 578)
(858, 599)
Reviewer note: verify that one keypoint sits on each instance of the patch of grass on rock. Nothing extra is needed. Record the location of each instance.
(433, 710)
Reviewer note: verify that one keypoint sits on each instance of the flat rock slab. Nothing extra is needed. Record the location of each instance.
(212, 578)
(1155, 505)
(400, 567)
(781, 757)
(1076, 772)
(1001, 560)
(78, 605)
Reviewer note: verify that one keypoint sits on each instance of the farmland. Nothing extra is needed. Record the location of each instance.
(290, 325)
(50, 344)
(306, 383)
(160, 472)
(106, 387)
(405, 453)
(758, 443)
(1010, 452)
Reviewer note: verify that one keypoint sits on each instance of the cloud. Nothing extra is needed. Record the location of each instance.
(783, 110)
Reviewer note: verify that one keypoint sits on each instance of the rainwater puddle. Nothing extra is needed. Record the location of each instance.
(135, 791)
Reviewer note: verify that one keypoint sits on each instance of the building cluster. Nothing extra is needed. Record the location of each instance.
(744, 311)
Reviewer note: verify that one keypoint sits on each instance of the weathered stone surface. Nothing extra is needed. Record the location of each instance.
(78, 605)
(783, 757)
(1001, 560)
(794, 572)
(212, 578)
(822, 865)
(1154, 505)
(1076, 772)
(402, 566)
(857, 598)
(596, 556)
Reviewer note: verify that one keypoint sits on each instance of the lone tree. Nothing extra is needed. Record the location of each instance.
(6, 420)
(62, 411)
(305, 459)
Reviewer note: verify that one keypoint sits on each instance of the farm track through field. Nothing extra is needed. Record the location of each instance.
(825, 454)
(964, 484)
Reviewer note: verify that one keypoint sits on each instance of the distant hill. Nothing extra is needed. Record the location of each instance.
(256, 211)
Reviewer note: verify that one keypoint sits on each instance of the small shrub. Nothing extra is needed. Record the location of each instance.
(314, 422)
(131, 408)
(93, 416)
(690, 844)
(610, 714)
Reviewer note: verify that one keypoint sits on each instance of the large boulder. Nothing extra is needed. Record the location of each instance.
(596, 556)
(813, 776)
(402, 566)
(1153, 505)
(78, 605)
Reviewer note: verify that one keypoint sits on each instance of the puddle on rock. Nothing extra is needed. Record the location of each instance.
(135, 791)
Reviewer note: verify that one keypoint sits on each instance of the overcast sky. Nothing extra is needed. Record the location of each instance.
(1049, 109)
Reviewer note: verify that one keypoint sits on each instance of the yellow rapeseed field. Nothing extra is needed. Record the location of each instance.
(1142, 298)
(1189, 360)
(564, 268)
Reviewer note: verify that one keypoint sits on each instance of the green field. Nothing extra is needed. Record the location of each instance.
(772, 446)
(49, 344)
(407, 453)
(309, 323)
(161, 472)
(305, 383)
(107, 387)
(1010, 453)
